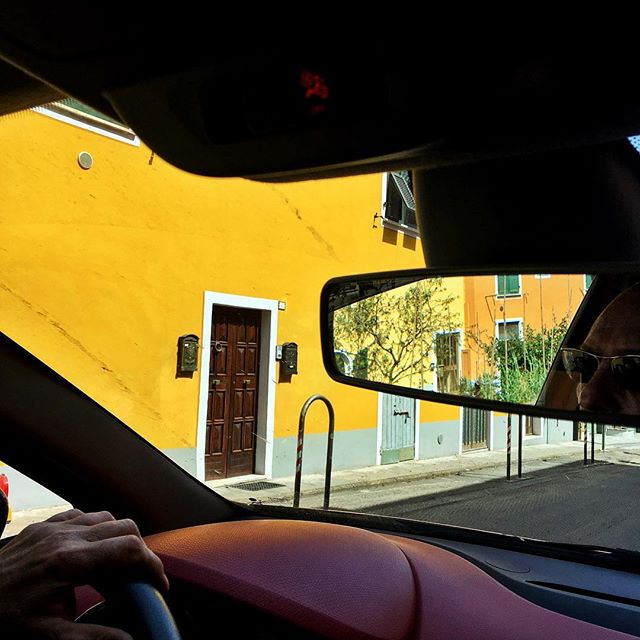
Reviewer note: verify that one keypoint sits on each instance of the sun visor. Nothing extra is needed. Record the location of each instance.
(549, 209)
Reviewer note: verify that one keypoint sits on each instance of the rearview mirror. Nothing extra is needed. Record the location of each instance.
(562, 345)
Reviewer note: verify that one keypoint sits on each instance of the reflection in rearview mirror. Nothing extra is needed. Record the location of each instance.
(551, 340)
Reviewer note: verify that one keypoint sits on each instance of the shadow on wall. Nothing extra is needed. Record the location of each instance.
(390, 236)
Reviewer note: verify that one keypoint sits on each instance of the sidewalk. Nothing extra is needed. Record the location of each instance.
(400, 474)
(22, 519)
(410, 471)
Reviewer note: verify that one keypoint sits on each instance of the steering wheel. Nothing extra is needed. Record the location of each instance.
(138, 603)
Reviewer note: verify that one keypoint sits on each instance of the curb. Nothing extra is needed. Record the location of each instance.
(404, 478)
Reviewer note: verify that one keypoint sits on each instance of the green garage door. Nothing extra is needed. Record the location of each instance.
(398, 428)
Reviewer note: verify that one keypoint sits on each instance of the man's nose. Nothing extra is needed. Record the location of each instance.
(601, 392)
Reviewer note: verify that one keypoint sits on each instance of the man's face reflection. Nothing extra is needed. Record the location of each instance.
(616, 332)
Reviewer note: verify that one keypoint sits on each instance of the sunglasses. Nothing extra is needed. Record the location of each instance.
(581, 365)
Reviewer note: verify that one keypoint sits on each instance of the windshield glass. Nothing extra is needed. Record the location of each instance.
(188, 307)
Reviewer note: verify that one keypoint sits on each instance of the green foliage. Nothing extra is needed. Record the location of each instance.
(390, 335)
(521, 363)
(484, 386)
(361, 364)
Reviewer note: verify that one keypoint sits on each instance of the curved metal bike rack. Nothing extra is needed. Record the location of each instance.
(327, 479)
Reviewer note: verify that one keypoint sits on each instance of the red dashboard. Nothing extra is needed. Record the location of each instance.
(342, 582)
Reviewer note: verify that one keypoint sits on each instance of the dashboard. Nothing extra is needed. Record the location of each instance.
(286, 578)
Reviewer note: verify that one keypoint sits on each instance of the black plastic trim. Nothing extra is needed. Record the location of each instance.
(108, 466)
(326, 337)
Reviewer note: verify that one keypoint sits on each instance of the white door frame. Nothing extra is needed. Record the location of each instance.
(266, 378)
(416, 437)
(490, 432)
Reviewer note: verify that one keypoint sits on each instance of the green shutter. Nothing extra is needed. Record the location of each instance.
(80, 106)
(509, 285)
(400, 205)
(84, 115)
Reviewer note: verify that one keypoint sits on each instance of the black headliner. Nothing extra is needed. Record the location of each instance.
(449, 96)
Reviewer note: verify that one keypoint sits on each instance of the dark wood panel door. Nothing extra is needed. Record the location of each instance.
(233, 392)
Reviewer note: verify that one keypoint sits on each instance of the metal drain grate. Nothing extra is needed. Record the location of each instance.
(255, 486)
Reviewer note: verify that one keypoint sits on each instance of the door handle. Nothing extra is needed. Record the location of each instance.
(216, 382)
(245, 383)
(406, 414)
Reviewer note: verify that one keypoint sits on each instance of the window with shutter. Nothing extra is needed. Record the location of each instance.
(75, 112)
(400, 206)
(508, 285)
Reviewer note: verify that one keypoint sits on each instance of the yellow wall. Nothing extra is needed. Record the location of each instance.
(102, 270)
(542, 301)
(436, 412)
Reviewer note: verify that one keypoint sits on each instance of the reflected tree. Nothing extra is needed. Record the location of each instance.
(390, 336)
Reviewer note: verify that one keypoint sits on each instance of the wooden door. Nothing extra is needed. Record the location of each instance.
(233, 392)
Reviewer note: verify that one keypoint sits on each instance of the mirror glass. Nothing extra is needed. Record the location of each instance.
(561, 341)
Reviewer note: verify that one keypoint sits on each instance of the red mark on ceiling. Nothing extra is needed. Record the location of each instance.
(314, 84)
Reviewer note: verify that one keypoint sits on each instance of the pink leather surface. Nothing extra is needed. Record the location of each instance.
(338, 581)
(344, 582)
(459, 600)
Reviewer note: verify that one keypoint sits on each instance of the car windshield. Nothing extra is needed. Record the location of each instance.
(188, 308)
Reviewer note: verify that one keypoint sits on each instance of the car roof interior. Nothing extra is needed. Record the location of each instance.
(217, 101)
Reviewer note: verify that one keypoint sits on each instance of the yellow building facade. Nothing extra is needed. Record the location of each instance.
(104, 268)
(495, 307)
(108, 255)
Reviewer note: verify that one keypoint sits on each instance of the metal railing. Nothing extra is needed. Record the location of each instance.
(327, 479)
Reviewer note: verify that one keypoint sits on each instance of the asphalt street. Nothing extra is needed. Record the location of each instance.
(570, 502)
(558, 497)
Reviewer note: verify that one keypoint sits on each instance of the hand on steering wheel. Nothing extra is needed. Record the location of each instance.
(42, 565)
